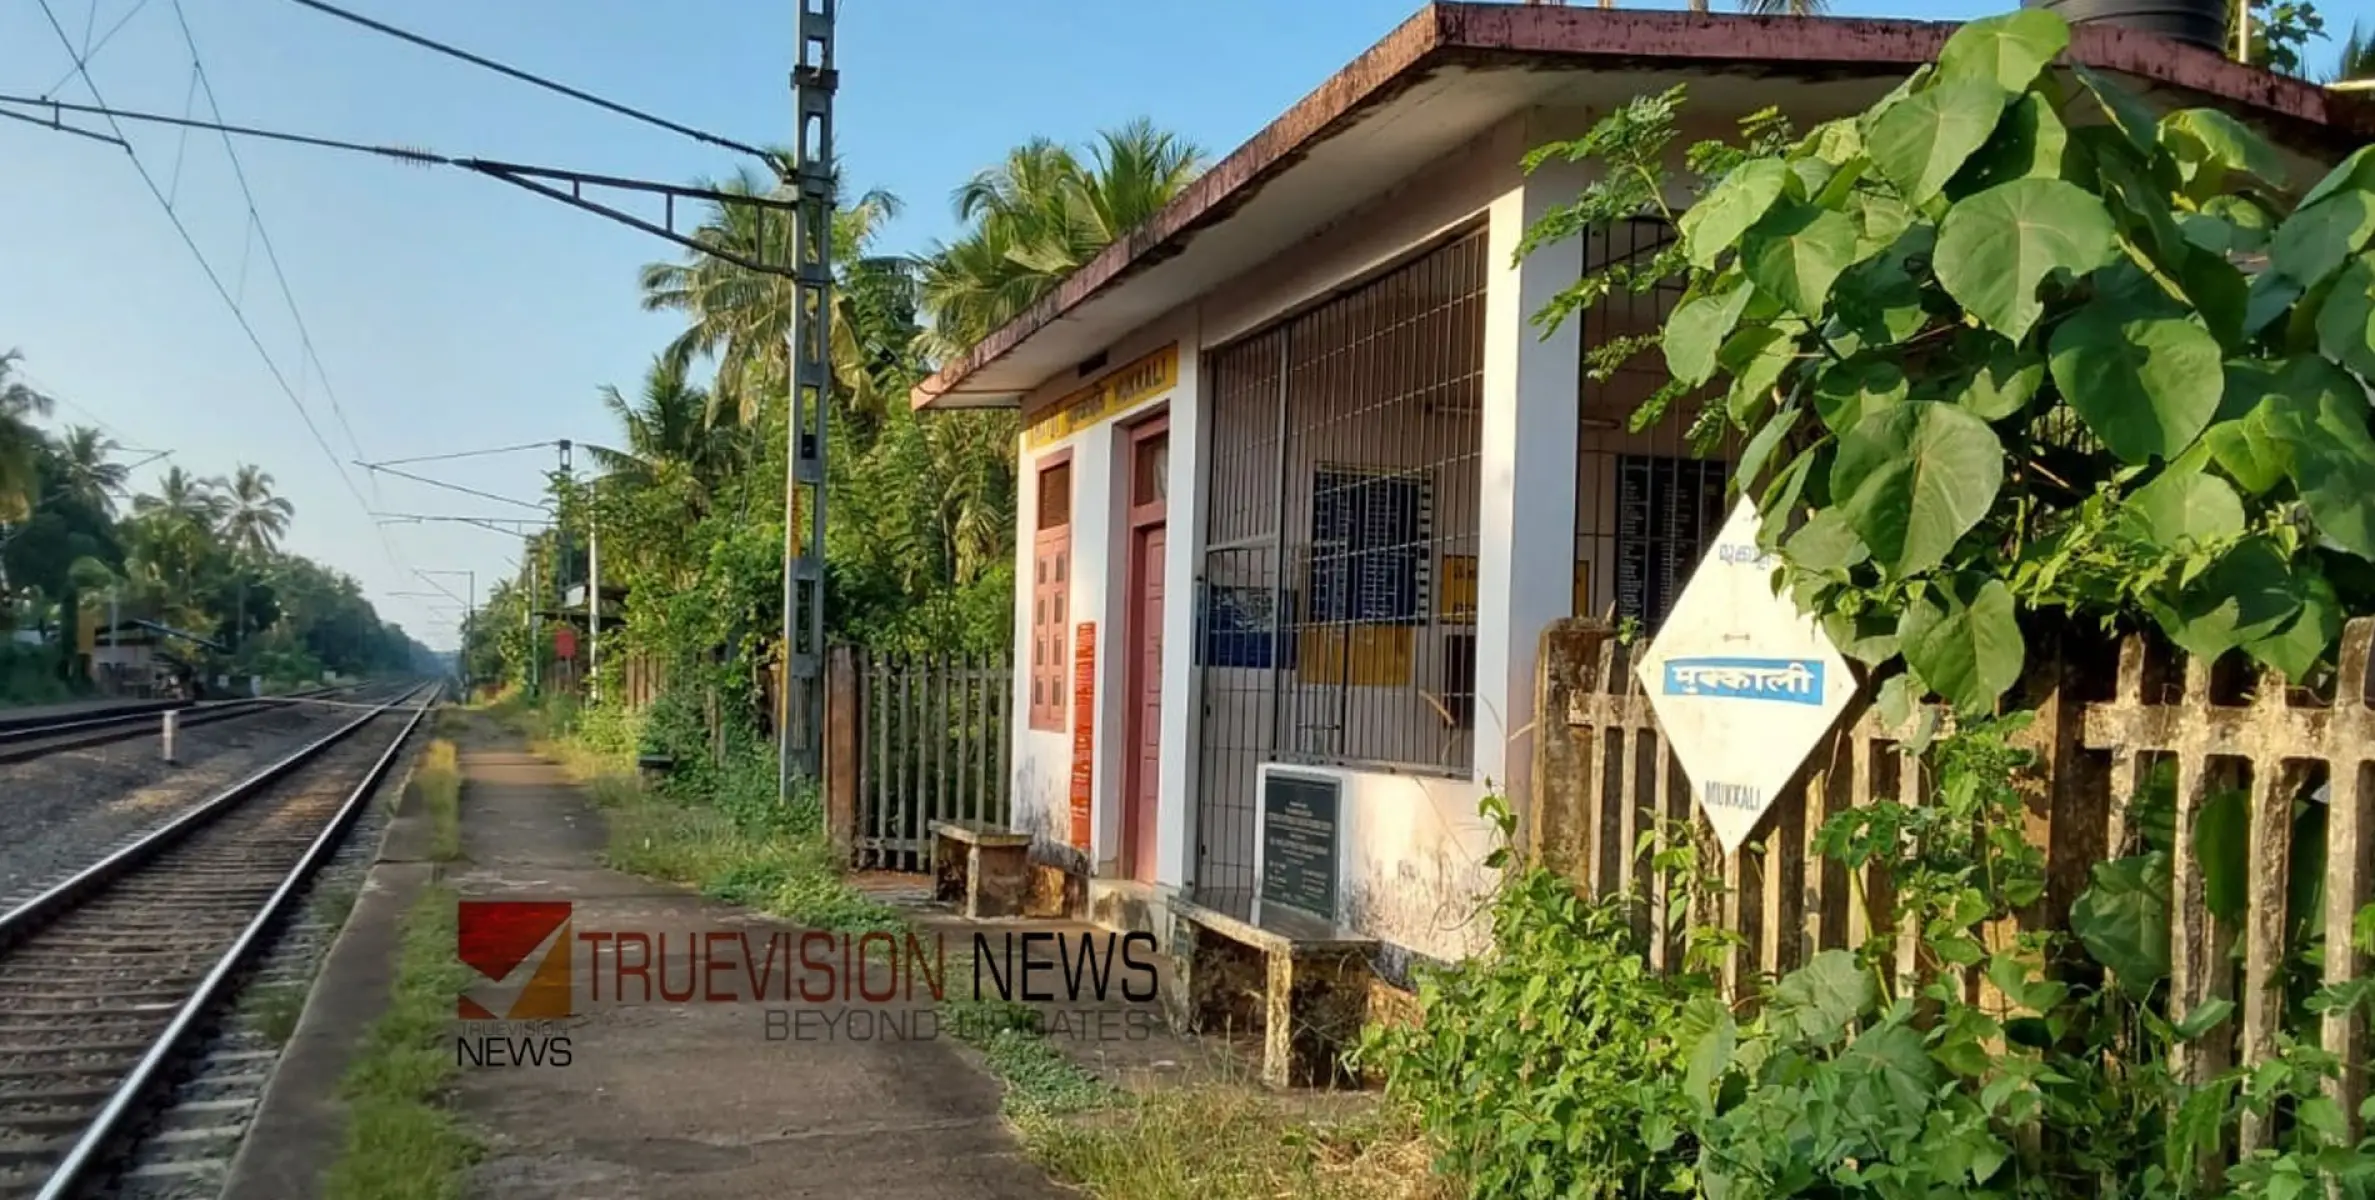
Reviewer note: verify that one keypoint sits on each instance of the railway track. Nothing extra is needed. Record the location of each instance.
(107, 979)
(27, 741)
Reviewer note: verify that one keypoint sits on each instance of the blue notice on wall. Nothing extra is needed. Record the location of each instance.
(1782, 680)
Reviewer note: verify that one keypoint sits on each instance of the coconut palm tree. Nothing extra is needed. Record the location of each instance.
(253, 518)
(741, 319)
(20, 442)
(84, 459)
(2357, 61)
(182, 498)
(1038, 216)
(668, 429)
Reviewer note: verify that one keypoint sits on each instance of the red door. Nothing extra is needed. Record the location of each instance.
(1149, 486)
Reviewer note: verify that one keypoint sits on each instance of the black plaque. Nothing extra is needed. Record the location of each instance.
(1299, 836)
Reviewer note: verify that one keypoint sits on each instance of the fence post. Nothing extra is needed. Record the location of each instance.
(841, 747)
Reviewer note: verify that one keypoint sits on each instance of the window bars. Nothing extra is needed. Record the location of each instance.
(1646, 505)
(1337, 605)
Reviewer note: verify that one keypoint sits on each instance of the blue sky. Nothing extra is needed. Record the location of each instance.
(450, 313)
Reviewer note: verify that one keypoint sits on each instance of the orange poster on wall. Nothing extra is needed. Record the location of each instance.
(1084, 732)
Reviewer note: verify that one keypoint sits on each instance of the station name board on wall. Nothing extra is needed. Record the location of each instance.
(1134, 384)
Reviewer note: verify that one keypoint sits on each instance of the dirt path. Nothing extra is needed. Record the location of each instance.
(693, 1099)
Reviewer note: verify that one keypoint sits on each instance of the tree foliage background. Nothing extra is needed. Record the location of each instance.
(199, 554)
(919, 548)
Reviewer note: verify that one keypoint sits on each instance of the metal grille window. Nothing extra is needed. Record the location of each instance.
(1337, 601)
(1646, 506)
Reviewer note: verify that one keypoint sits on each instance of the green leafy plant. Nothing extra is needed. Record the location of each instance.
(2008, 351)
(1548, 1066)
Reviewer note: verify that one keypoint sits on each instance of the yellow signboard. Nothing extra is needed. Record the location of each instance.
(1455, 602)
(1117, 393)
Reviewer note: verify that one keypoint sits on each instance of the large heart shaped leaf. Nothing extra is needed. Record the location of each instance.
(1796, 253)
(1967, 653)
(2313, 415)
(2356, 171)
(2247, 595)
(2184, 509)
(2318, 238)
(1697, 331)
(2145, 383)
(1913, 478)
(1710, 226)
(2208, 144)
(1996, 247)
(1856, 387)
(2003, 385)
(2028, 144)
(2346, 321)
(1921, 141)
(2300, 643)
(2006, 50)
(2334, 467)
(1819, 1001)
(2123, 919)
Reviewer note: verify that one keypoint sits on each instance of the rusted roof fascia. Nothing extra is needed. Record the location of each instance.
(1474, 32)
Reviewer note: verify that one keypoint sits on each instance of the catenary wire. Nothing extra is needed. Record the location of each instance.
(264, 234)
(536, 80)
(212, 277)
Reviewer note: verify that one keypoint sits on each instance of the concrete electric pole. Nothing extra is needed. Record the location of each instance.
(800, 731)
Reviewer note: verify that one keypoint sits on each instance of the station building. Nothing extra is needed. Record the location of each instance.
(1303, 481)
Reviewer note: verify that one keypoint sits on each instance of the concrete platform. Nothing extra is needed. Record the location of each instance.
(690, 1098)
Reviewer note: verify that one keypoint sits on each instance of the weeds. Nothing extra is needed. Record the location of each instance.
(332, 905)
(401, 1143)
(439, 778)
(1040, 1082)
(273, 1009)
(1230, 1140)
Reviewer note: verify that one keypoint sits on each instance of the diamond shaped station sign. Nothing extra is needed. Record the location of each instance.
(1743, 684)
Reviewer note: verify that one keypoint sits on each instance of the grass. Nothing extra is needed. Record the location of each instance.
(1220, 1138)
(401, 1142)
(785, 868)
(439, 779)
(794, 876)
(1228, 1139)
(1040, 1081)
(272, 1010)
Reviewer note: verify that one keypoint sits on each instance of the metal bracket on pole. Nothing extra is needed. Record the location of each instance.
(801, 735)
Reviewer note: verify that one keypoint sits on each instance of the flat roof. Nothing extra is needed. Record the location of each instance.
(1455, 69)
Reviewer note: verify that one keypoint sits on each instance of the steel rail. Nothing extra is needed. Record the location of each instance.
(28, 742)
(11, 723)
(90, 1149)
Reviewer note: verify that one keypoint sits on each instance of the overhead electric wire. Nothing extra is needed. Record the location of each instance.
(59, 127)
(451, 487)
(91, 50)
(264, 234)
(237, 313)
(478, 60)
(422, 458)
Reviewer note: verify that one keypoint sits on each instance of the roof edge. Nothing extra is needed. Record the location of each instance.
(2311, 111)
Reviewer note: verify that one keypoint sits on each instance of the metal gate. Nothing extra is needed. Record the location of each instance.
(931, 742)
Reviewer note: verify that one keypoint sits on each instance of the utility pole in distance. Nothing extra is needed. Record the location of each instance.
(800, 734)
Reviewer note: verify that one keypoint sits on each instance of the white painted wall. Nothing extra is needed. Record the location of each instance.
(1412, 852)
(1410, 860)
(1042, 759)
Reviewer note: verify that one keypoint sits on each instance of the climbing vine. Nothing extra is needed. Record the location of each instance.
(2007, 350)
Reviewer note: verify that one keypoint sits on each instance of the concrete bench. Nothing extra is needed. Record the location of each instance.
(980, 868)
(1302, 981)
